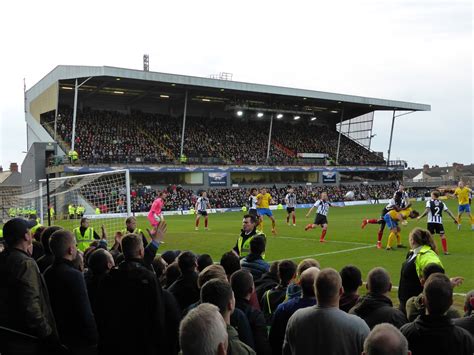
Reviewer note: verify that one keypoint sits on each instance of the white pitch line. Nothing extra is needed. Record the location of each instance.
(328, 253)
(317, 240)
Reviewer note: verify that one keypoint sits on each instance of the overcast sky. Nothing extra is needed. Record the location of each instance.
(418, 51)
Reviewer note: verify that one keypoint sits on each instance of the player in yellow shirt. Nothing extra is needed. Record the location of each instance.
(391, 219)
(462, 193)
(263, 208)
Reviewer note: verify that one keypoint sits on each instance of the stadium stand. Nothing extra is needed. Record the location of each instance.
(115, 137)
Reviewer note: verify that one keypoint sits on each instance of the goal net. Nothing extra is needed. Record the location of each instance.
(104, 198)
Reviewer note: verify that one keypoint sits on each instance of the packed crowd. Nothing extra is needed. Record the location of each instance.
(138, 137)
(183, 199)
(127, 300)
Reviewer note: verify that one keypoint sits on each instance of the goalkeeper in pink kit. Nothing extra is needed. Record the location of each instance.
(155, 216)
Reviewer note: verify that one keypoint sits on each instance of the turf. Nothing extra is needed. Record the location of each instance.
(346, 243)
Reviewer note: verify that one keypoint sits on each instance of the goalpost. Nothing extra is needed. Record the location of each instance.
(104, 198)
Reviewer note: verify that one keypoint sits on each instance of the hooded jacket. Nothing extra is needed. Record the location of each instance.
(376, 309)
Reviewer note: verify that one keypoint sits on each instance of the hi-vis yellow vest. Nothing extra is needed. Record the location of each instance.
(244, 247)
(83, 241)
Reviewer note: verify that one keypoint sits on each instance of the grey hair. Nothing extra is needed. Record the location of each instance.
(385, 339)
(202, 331)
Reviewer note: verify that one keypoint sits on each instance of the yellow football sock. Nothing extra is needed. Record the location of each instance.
(391, 237)
(459, 219)
(260, 227)
(399, 239)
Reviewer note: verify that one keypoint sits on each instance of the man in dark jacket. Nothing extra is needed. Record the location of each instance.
(219, 293)
(242, 285)
(185, 288)
(285, 310)
(274, 297)
(376, 307)
(47, 259)
(130, 307)
(434, 333)
(267, 281)
(69, 300)
(254, 262)
(351, 281)
(24, 298)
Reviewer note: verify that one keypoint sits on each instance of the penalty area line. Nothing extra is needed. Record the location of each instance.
(327, 253)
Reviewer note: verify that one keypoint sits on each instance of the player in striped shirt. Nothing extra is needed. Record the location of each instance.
(290, 201)
(200, 209)
(434, 209)
(322, 209)
(252, 202)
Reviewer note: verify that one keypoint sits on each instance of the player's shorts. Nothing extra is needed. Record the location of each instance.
(290, 209)
(265, 212)
(391, 224)
(202, 213)
(436, 228)
(253, 212)
(320, 220)
(464, 208)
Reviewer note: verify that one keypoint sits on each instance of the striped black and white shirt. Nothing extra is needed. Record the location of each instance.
(322, 207)
(202, 203)
(252, 202)
(436, 208)
(290, 200)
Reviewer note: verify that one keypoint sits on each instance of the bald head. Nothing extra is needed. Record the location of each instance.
(328, 287)
(308, 280)
(385, 339)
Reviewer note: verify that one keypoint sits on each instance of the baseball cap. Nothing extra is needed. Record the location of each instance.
(16, 228)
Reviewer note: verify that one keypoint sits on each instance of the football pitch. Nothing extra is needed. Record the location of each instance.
(346, 243)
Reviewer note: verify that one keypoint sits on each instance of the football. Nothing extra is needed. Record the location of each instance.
(349, 195)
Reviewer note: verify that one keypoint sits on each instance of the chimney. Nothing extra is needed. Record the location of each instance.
(14, 167)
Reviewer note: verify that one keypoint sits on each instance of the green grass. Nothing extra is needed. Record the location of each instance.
(347, 242)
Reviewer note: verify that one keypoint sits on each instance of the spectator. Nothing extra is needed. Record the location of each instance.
(100, 263)
(24, 298)
(467, 322)
(219, 293)
(434, 333)
(268, 280)
(47, 259)
(203, 261)
(376, 307)
(38, 249)
(285, 310)
(294, 289)
(415, 305)
(423, 252)
(351, 281)
(69, 300)
(272, 298)
(230, 262)
(385, 339)
(140, 303)
(185, 288)
(172, 273)
(324, 328)
(203, 332)
(243, 287)
(254, 262)
(247, 233)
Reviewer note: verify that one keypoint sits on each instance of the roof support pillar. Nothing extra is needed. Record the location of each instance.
(74, 113)
(184, 123)
(269, 137)
(391, 136)
(339, 139)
